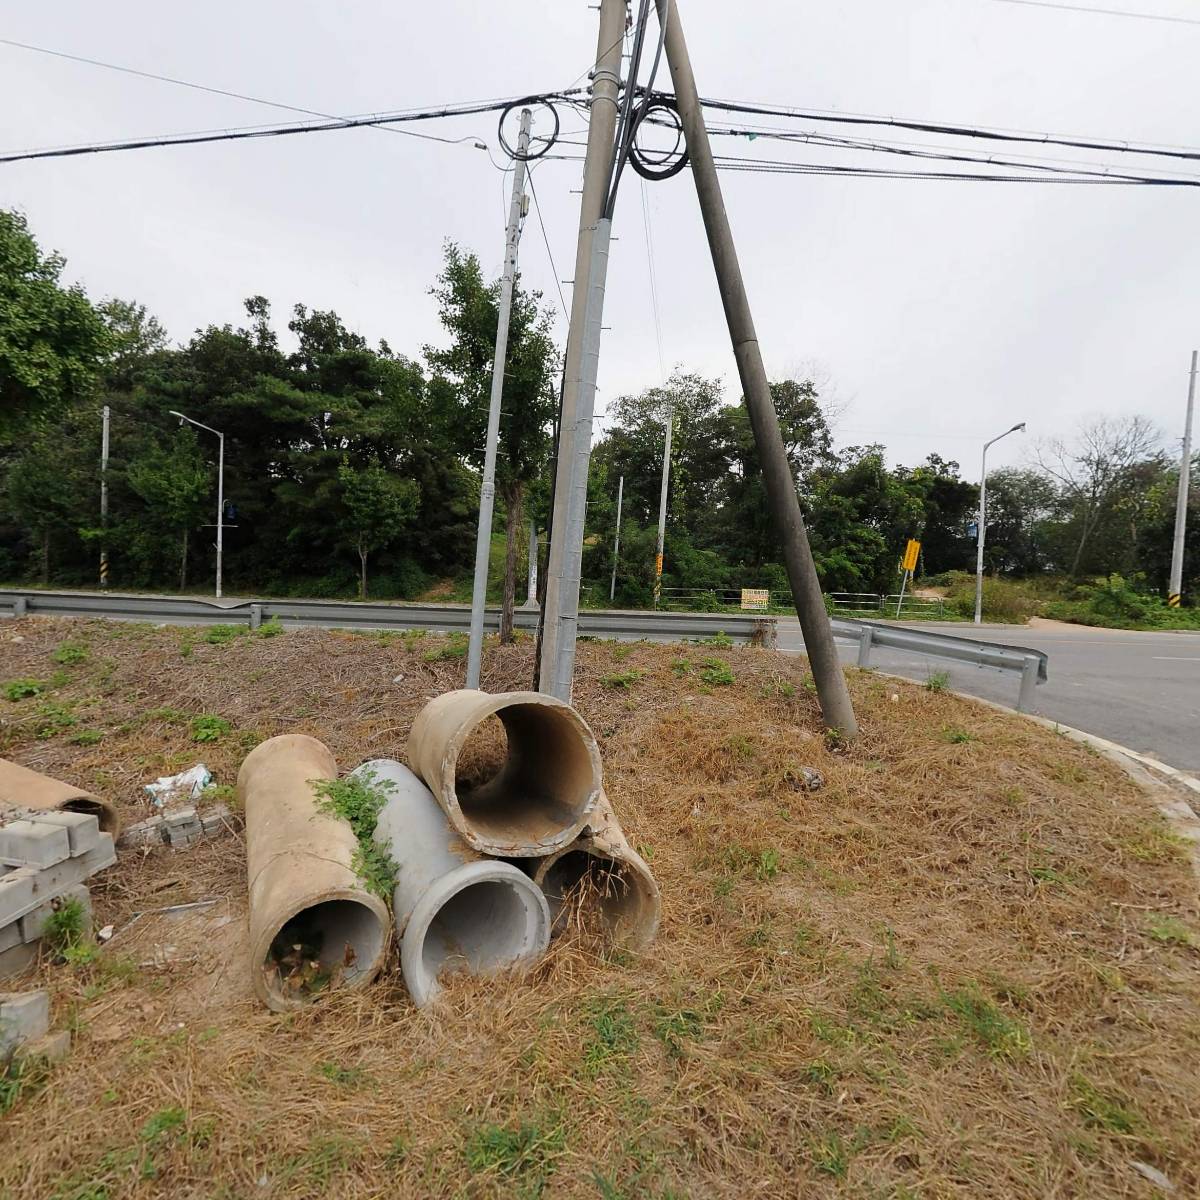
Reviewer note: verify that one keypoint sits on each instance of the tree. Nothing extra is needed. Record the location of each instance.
(379, 507)
(1096, 470)
(51, 338)
(1020, 506)
(469, 311)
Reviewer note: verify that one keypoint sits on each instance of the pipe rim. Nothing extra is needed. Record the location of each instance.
(424, 987)
(275, 1000)
(493, 705)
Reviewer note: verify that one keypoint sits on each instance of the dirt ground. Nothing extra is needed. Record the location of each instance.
(967, 966)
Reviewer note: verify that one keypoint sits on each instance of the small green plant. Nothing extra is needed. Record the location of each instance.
(86, 737)
(831, 1156)
(938, 681)
(767, 866)
(207, 728)
(219, 793)
(1169, 930)
(525, 1155)
(454, 647)
(720, 638)
(270, 628)
(680, 667)
(358, 799)
(163, 1122)
(66, 927)
(1000, 1034)
(51, 718)
(716, 672)
(18, 1077)
(347, 1077)
(778, 689)
(218, 635)
(622, 650)
(67, 654)
(1102, 1110)
(22, 689)
(958, 737)
(614, 1035)
(621, 680)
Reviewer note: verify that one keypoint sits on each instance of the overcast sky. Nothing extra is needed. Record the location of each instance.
(939, 313)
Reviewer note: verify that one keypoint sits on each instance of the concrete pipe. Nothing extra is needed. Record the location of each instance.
(313, 925)
(24, 788)
(528, 799)
(454, 910)
(602, 874)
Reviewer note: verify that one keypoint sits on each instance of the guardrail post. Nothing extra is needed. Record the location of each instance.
(20, 606)
(255, 616)
(1029, 677)
(765, 633)
(864, 646)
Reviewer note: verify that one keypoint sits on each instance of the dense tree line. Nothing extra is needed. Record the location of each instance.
(356, 468)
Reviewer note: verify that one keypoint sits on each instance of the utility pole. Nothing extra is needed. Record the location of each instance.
(487, 493)
(582, 358)
(612, 587)
(104, 421)
(981, 529)
(220, 489)
(1175, 588)
(531, 591)
(836, 708)
(662, 509)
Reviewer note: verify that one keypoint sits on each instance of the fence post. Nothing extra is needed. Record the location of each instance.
(20, 606)
(255, 616)
(865, 638)
(1029, 678)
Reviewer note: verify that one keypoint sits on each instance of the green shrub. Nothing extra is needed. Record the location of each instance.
(716, 672)
(70, 653)
(208, 728)
(21, 689)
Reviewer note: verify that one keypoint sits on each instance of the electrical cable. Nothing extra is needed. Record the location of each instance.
(1108, 12)
(546, 238)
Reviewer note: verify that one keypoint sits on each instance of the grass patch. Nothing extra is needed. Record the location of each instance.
(614, 1036)
(999, 1034)
(218, 635)
(86, 737)
(1105, 1110)
(455, 646)
(67, 654)
(523, 1155)
(270, 628)
(716, 672)
(22, 689)
(1169, 930)
(621, 680)
(207, 728)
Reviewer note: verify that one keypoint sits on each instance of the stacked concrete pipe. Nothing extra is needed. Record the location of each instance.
(304, 890)
(539, 799)
(453, 908)
(22, 788)
(606, 877)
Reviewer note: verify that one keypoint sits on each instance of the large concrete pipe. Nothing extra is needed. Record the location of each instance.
(313, 925)
(528, 799)
(23, 788)
(454, 910)
(601, 875)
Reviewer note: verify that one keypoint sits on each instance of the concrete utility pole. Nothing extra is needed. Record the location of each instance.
(531, 591)
(981, 530)
(487, 493)
(220, 489)
(104, 421)
(612, 587)
(583, 348)
(1175, 589)
(832, 693)
(662, 508)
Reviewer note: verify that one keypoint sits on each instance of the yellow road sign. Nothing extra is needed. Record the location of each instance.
(910, 555)
(756, 598)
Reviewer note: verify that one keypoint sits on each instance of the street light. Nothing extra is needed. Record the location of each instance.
(983, 520)
(220, 487)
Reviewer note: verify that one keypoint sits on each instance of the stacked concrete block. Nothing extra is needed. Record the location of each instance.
(179, 828)
(25, 1028)
(45, 859)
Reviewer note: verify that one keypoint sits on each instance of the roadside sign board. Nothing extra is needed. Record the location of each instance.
(910, 556)
(756, 598)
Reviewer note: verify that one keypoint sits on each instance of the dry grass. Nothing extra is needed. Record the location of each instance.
(942, 975)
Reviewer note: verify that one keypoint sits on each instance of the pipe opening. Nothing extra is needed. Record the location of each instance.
(482, 928)
(320, 947)
(92, 808)
(597, 893)
(525, 774)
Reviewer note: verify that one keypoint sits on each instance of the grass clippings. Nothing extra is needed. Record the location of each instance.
(962, 967)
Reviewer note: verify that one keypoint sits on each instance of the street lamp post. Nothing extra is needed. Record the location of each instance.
(220, 488)
(979, 533)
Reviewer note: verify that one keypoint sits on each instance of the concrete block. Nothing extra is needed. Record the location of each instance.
(180, 816)
(83, 829)
(33, 844)
(18, 894)
(24, 890)
(33, 924)
(10, 935)
(24, 1017)
(18, 959)
(150, 832)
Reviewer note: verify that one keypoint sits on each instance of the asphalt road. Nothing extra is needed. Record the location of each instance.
(1141, 690)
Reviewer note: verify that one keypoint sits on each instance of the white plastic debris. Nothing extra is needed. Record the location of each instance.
(187, 785)
(106, 933)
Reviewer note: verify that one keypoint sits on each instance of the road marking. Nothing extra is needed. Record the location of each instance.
(1174, 658)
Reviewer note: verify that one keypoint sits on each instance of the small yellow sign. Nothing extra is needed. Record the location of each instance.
(658, 564)
(910, 555)
(756, 598)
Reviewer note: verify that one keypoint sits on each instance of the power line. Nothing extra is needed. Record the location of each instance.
(202, 87)
(1108, 12)
(662, 370)
(545, 238)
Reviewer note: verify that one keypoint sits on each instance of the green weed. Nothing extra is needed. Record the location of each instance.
(22, 689)
(67, 926)
(767, 866)
(720, 638)
(207, 728)
(621, 680)
(218, 635)
(614, 1036)
(957, 737)
(86, 737)
(20, 1077)
(347, 1077)
(69, 653)
(270, 628)
(937, 681)
(1102, 1110)
(1169, 930)
(524, 1155)
(716, 672)
(52, 717)
(358, 800)
(1001, 1035)
(455, 646)
(831, 1156)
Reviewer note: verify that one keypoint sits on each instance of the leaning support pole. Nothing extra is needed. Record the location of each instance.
(313, 925)
(777, 475)
(454, 910)
(525, 792)
(601, 876)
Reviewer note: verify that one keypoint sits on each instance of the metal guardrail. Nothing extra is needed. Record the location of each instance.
(873, 602)
(1031, 665)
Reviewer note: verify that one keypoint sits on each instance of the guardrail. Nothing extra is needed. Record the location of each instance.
(873, 602)
(1031, 665)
